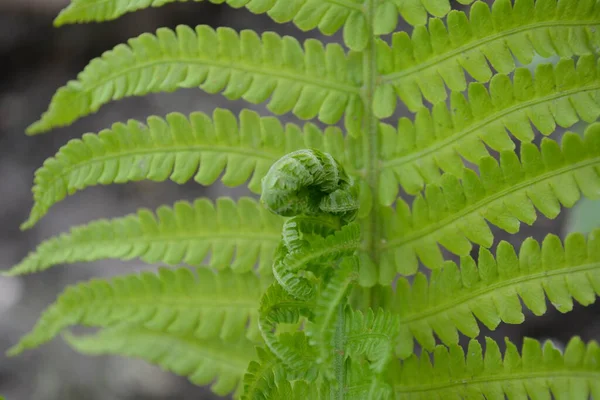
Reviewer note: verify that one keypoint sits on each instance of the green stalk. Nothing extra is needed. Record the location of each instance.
(338, 390)
(370, 138)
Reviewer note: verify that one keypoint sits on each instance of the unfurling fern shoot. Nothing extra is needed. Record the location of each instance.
(317, 290)
(314, 189)
(315, 267)
(310, 183)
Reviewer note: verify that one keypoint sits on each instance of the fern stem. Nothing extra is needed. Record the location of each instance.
(338, 390)
(370, 140)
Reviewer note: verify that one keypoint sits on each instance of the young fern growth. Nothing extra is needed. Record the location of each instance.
(315, 292)
(315, 266)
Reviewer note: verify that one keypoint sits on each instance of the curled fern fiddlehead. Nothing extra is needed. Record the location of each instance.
(315, 266)
(314, 189)
(310, 183)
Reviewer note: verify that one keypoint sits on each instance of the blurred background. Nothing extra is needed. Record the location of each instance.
(36, 59)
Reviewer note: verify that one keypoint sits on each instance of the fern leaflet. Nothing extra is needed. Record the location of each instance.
(260, 375)
(537, 373)
(560, 95)
(326, 15)
(202, 361)
(185, 233)
(178, 149)
(490, 291)
(438, 55)
(371, 334)
(202, 305)
(309, 81)
(454, 214)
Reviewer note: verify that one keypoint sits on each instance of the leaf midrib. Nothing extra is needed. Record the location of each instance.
(436, 61)
(494, 117)
(295, 76)
(111, 243)
(230, 362)
(174, 300)
(84, 6)
(484, 202)
(318, 253)
(247, 151)
(168, 237)
(486, 290)
(497, 377)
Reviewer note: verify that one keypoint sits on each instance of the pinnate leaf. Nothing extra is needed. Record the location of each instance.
(440, 138)
(176, 148)
(239, 65)
(456, 213)
(203, 305)
(422, 65)
(185, 233)
(491, 291)
(539, 372)
(202, 361)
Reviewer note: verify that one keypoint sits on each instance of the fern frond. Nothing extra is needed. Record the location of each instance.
(363, 383)
(329, 313)
(320, 252)
(202, 361)
(278, 307)
(203, 305)
(185, 233)
(283, 389)
(489, 292)
(267, 380)
(539, 372)
(175, 148)
(279, 384)
(561, 95)
(439, 54)
(372, 334)
(326, 15)
(454, 214)
(311, 80)
(260, 375)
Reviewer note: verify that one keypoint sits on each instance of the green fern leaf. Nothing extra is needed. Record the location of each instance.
(309, 81)
(322, 252)
(329, 313)
(266, 379)
(371, 334)
(539, 372)
(363, 383)
(489, 292)
(454, 214)
(295, 390)
(278, 307)
(202, 361)
(260, 375)
(420, 65)
(204, 305)
(185, 233)
(177, 148)
(561, 95)
(281, 385)
(326, 15)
